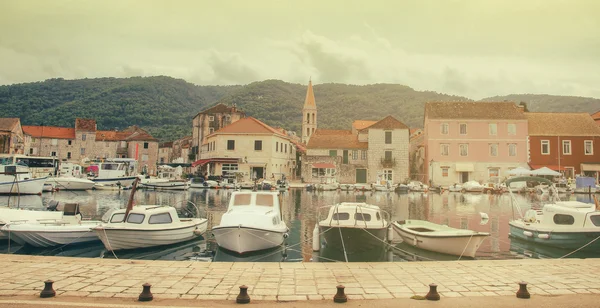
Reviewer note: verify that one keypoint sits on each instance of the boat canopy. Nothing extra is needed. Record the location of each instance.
(528, 179)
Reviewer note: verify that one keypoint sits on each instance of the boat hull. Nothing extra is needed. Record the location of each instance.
(41, 235)
(560, 239)
(167, 186)
(71, 183)
(465, 245)
(241, 239)
(119, 238)
(355, 240)
(23, 187)
(123, 181)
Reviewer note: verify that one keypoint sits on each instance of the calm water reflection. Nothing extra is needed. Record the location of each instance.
(299, 210)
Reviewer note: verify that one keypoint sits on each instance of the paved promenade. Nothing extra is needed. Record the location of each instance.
(106, 278)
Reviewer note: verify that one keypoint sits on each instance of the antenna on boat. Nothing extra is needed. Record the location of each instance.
(130, 202)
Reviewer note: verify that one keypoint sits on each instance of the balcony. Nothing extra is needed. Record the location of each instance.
(388, 163)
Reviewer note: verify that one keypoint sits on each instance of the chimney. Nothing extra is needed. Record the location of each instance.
(522, 107)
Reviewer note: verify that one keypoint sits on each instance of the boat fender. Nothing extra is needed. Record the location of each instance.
(544, 236)
(528, 233)
(316, 245)
(197, 232)
(285, 235)
(390, 234)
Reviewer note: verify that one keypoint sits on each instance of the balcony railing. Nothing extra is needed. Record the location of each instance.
(388, 163)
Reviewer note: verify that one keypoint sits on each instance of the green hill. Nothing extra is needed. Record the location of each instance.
(165, 106)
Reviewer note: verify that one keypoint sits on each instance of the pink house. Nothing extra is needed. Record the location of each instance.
(467, 141)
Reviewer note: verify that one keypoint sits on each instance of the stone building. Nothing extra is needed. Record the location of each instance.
(165, 152)
(181, 150)
(309, 114)
(12, 140)
(209, 121)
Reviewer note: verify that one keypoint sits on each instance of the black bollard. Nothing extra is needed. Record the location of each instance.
(340, 296)
(48, 291)
(523, 293)
(243, 297)
(432, 295)
(146, 295)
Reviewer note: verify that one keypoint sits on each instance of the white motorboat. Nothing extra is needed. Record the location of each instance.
(353, 226)
(168, 185)
(17, 180)
(401, 188)
(70, 177)
(10, 215)
(472, 186)
(439, 238)
(202, 183)
(328, 183)
(150, 181)
(347, 187)
(253, 222)
(563, 188)
(383, 186)
(246, 185)
(69, 229)
(455, 188)
(147, 226)
(562, 224)
(417, 186)
(114, 173)
(362, 186)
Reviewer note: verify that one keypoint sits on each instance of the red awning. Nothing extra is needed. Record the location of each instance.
(200, 162)
(203, 162)
(323, 165)
(553, 167)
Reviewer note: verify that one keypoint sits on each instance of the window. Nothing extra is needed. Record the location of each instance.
(163, 218)
(494, 172)
(135, 218)
(211, 130)
(242, 199)
(53, 153)
(31, 151)
(569, 172)
(362, 216)
(118, 217)
(545, 147)
(68, 155)
(82, 151)
(257, 145)
(387, 175)
(512, 129)
(493, 129)
(69, 142)
(83, 137)
(145, 145)
(32, 139)
(144, 157)
(211, 118)
(230, 145)
(276, 146)
(388, 137)
(566, 147)
(333, 153)
(264, 200)
(588, 147)
(463, 128)
(355, 154)
(54, 141)
(494, 149)
(595, 220)
(562, 219)
(445, 172)
(512, 149)
(340, 216)
(285, 148)
(444, 149)
(444, 129)
(464, 149)
(363, 155)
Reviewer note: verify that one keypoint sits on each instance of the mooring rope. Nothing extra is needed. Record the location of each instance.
(461, 254)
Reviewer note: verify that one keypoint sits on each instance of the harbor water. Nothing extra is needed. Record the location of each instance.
(300, 210)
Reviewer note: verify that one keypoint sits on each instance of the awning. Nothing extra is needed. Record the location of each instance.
(464, 167)
(553, 167)
(226, 160)
(323, 165)
(590, 167)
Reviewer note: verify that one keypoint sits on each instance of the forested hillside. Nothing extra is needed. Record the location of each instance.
(165, 106)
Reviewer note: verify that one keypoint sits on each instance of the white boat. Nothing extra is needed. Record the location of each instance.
(417, 186)
(17, 180)
(402, 188)
(439, 238)
(10, 215)
(563, 188)
(362, 186)
(383, 186)
(455, 188)
(353, 226)
(472, 186)
(569, 225)
(253, 222)
(246, 185)
(114, 173)
(69, 229)
(148, 180)
(70, 183)
(201, 183)
(168, 185)
(347, 187)
(148, 226)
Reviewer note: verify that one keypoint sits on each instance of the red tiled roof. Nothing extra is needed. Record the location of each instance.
(596, 116)
(561, 124)
(166, 144)
(360, 124)
(85, 124)
(7, 124)
(335, 139)
(473, 110)
(248, 125)
(49, 132)
(110, 135)
(389, 122)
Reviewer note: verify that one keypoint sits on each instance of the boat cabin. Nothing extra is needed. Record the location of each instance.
(354, 214)
(147, 215)
(254, 208)
(570, 214)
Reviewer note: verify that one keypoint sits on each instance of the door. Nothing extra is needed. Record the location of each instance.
(361, 175)
(257, 173)
(345, 157)
(464, 177)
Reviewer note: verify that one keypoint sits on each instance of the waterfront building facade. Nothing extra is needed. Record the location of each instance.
(209, 121)
(565, 142)
(466, 141)
(12, 140)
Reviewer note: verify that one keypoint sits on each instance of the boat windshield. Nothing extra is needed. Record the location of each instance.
(264, 200)
(110, 166)
(242, 199)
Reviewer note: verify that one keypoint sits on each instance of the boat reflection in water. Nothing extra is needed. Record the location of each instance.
(527, 249)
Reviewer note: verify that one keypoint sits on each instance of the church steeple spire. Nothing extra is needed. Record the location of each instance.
(309, 114)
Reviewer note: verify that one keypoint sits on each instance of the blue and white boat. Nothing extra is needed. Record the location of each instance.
(565, 224)
(114, 173)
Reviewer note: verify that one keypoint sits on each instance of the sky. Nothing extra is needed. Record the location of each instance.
(473, 48)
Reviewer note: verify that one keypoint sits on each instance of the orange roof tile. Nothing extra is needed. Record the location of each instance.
(309, 101)
(360, 124)
(596, 115)
(335, 139)
(561, 124)
(85, 124)
(389, 122)
(7, 124)
(473, 111)
(248, 125)
(110, 135)
(49, 132)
